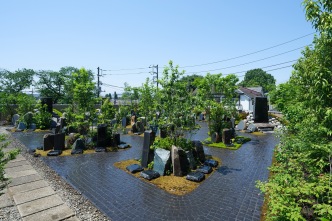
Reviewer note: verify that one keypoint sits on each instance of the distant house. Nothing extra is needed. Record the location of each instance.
(247, 96)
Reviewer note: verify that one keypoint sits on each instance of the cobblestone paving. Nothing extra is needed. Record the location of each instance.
(229, 194)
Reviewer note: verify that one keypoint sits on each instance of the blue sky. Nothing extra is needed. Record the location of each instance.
(113, 35)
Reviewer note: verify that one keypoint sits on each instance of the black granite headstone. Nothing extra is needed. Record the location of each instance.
(134, 168)
(180, 162)
(195, 176)
(48, 142)
(149, 174)
(191, 160)
(116, 140)
(79, 144)
(102, 135)
(59, 141)
(261, 109)
(226, 136)
(49, 103)
(147, 155)
(198, 150)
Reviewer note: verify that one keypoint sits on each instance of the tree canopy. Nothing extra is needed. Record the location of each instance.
(259, 77)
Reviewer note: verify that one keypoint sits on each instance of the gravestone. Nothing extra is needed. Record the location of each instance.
(251, 128)
(59, 141)
(198, 150)
(191, 159)
(124, 122)
(116, 140)
(147, 155)
(134, 128)
(49, 103)
(261, 109)
(162, 161)
(48, 142)
(21, 126)
(149, 174)
(179, 161)
(195, 176)
(102, 135)
(15, 119)
(201, 117)
(134, 168)
(140, 127)
(215, 137)
(242, 125)
(204, 169)
(226, 136)
(79, 144)
(54, 122)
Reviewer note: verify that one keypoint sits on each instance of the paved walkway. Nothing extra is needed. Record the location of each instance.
(33, 197)
(229, 194)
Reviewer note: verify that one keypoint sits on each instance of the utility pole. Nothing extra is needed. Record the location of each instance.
(98, 82)
(155, 73)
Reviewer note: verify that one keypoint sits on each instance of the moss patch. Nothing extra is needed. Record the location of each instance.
(171, 184)
(236, 145)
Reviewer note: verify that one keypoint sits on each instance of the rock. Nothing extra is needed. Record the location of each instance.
(134, 168)
(124, 122)
(204, 169)
(123, 146)
(179, 161)
(149, 174)
(215, 137)
(21, 126)
(54, 153)
(191, 160)
(15, 119)
(252, 128)
(242, 125)
(162, 161)
(77, 151)
(211, 163)
(195, 176)
(33, 126)
(79, 144)
(199, 150)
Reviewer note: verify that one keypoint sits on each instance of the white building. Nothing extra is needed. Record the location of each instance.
(247, 98)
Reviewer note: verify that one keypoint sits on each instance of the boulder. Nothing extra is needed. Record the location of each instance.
(134, 168)
(211, 163)
(180, 162)
(191, 160)
(204, 169)
(198, 150)
(79, 144)
(162, 161)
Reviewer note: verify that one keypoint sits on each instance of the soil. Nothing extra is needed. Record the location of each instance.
(171, 184)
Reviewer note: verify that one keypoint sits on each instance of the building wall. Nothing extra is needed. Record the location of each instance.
(246, 103)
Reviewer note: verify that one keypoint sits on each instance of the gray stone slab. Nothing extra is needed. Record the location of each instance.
(33, 195)
(27, 187)
(18, 158)
(5, 201)
(74, 218)
(39, 205)
(24, 179)
(18, 168)
(61, 212)
(11, 164)
(20, 173)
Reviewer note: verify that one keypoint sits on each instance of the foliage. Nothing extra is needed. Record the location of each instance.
(6, 105)
(300, 185)
(42, 117)
(26, 103)
(107, 111)
(148, 100)
(259, 77)
(167, 143)
(5, 158)
(150, 165)
(57, 112)
(15, 82)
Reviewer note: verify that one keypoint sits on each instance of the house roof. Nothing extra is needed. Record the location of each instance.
(249, 92)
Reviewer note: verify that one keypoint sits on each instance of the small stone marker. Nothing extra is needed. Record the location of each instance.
(134, 168)
(204, 169)
(179, 161)
(147, 155)
(211, 163)
(15, 119)
(149, 174)
(162, 161)
(195, 176)
(54, 153)
(242, 125)
(226, 136)
(48, 142)
(123, 146)
(59, 141)
(199, 150)
(124, 122)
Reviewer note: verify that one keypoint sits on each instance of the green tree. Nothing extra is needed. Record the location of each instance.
(14, 82)
(148, 100)
(259, 77)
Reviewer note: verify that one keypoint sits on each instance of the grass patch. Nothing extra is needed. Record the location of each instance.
(171, 184)
(237, 143)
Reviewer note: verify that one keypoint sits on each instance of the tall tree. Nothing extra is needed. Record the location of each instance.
(51, 84)
(259, 77)
(14, 82)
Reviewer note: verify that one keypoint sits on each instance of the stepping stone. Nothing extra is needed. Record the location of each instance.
(39, 205)
(204, 169)
(123, 146)
(149, 174)
(5, 201)
(33, 195)
(27, 187)
(134, 168)
(195, 176)
(20, 173)
(61, 212)
(24, 179)
(54, 153)
(211, 163)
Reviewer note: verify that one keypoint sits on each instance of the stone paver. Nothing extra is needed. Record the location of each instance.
(11, 164)
(39, 205)
(33, 195)
(24, 179)
(18, 169)
(228, 194)
(5, 200)
(27, 187)
(60, 212)
(20, 173)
